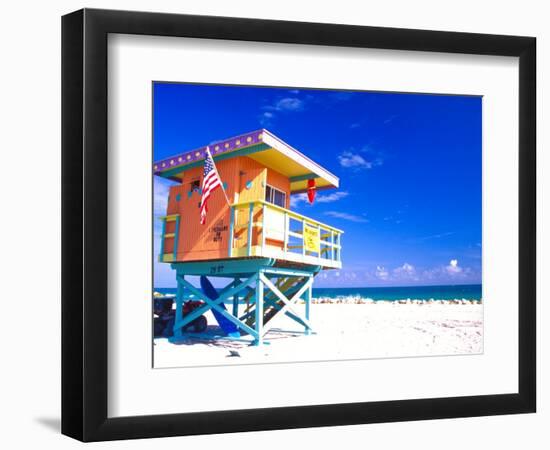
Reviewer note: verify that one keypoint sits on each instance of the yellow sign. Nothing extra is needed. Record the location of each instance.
(311, 239)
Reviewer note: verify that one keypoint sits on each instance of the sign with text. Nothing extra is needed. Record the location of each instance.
(311, 239)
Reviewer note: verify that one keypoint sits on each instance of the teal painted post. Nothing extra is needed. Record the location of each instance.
(236, 299)
(176, 237)
(250, 217)
(307, 330)
(162, 239)
(179, 306)
(259, 311)
(215, 304)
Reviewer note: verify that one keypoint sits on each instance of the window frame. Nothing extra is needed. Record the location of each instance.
(273, 189)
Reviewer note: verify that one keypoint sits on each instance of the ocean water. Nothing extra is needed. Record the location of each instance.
(449, 292)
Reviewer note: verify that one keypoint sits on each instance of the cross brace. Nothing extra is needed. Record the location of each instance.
(280, 300)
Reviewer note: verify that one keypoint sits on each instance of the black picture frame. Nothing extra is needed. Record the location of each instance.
(84, 224)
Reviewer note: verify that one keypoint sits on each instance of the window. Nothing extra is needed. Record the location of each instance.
(275, 196)
(195, 185)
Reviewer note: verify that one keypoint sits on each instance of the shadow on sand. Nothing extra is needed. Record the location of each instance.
(52, 423)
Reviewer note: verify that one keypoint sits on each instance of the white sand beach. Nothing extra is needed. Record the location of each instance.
(345, 331)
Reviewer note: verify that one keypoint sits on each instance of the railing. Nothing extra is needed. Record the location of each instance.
(260, 228)
(174, 234)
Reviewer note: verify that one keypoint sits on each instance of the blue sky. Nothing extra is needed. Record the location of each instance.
(409, 166)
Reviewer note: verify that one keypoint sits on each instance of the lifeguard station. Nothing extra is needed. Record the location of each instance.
(270, 253)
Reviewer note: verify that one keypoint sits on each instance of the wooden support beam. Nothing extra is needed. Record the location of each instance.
(215, 304)
(179, 302)
(288, 304)
(259, 311)
(235, 310)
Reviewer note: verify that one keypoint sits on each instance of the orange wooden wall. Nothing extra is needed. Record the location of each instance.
(245, 180)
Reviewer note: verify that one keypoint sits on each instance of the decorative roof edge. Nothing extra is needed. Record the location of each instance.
(240, 142)
(216, 148)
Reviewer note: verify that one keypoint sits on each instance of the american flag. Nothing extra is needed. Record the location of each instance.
(210, 181)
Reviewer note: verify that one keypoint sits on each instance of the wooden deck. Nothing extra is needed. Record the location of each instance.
(259, 229)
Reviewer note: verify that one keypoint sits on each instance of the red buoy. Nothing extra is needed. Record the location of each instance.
(311, 190)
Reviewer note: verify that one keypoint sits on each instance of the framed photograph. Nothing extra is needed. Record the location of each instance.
(273, 224)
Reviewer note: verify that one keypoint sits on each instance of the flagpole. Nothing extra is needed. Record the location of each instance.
(216, 169)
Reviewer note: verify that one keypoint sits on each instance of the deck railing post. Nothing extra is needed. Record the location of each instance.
(331, 245)
(263, 228)
(285, 238)
(250, 218)
(319, 254)
(303, 237)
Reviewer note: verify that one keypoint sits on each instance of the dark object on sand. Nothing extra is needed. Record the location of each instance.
(165, 314)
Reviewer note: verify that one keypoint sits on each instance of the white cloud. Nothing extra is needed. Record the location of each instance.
(440, 274)
(161, 188)
(266, 118)
(453, 267)
(350, 160)
(286, 104)
(433, 236)
(453, 271)
(353, 160)
(404, 275)
(382, 273)
(334, 197)
(405, 268)
(405, 272)
(346, 216)
(296, 199)
(289, 104)
(283, 105)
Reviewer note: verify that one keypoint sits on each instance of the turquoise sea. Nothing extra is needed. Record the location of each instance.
(449, 292)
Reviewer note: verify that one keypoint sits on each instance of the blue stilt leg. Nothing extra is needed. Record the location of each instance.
(307, 330)
(236, 299)
(259, 312)
(179, 308)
